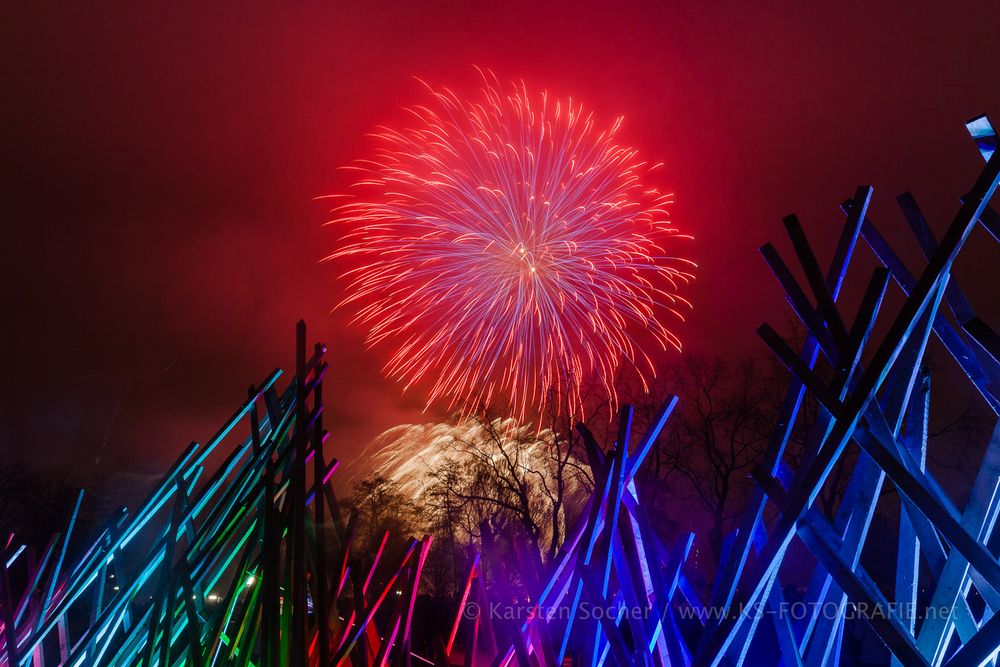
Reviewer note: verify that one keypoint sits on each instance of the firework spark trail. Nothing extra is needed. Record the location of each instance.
(509, 249)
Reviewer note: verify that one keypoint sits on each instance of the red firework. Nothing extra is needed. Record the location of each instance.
(508, 248)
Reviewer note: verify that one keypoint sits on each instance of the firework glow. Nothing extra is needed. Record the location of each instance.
(409, 455)
(509, 249)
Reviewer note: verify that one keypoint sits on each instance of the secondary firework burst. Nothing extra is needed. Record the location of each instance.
(508, 248)
(414, 456)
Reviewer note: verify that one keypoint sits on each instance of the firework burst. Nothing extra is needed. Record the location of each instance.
(508, 249)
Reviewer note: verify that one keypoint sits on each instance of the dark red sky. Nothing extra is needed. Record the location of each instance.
(159, 222)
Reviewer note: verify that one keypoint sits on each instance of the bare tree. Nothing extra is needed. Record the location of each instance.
(656, 477)
(566, 481)
(719, 432)
(382, 512)
(515, 480)
(503, 475)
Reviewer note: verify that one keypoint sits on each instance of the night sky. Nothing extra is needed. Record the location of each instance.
(161, 228)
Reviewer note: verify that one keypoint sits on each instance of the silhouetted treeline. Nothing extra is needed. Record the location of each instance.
(37, 502)
(526, 489)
